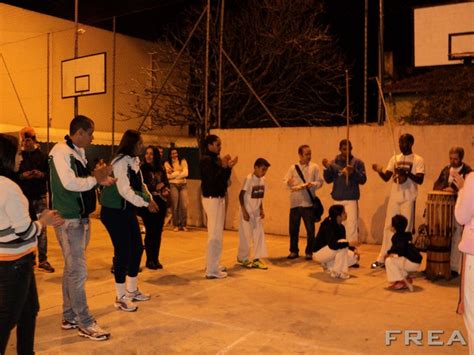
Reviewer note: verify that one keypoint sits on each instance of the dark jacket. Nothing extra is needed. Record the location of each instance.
(443, 178)
(152, 177)
(214, 177)
(402, 245)
(34, 189)
(340, 189)
(329, 233)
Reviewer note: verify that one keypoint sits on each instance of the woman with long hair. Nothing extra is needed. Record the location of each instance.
(154, 176)
(119, 216)
(18, 240)
(177, 170)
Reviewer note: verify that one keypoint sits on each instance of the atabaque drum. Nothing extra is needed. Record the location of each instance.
(440, 221)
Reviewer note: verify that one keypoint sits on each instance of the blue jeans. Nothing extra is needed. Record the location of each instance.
(73, 237)
(179, 203)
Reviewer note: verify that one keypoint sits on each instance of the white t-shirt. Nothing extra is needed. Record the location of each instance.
(408, 190)
(254, 188)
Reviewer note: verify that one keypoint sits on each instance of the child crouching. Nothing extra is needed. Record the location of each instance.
(331, 247)
(402, 257)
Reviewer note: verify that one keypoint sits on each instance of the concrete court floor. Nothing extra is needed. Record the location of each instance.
(294, 307)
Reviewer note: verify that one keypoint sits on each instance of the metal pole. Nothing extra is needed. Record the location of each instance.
(76, 48)
(251, 88)
(381, 62)
(348, 108)
(206, 68)
(366, 23)
(114, 55)
(172, 68)
(219, 92)
(14, 89)
(48, 55)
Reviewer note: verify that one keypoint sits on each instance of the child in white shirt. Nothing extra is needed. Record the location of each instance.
(251, 215)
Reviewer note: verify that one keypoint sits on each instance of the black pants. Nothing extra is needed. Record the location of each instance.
(296, 213)
(124, 231)
(18, 303)
(154, 228)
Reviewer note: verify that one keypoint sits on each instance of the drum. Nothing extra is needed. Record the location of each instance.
(440, 222)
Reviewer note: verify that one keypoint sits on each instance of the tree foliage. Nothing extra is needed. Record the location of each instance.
(283, 48)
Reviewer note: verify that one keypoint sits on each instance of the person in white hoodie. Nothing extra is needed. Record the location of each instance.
(464, 213)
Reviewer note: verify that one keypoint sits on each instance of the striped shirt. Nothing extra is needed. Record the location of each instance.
(17, 232)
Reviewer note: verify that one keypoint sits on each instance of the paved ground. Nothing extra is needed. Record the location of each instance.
(294, 307)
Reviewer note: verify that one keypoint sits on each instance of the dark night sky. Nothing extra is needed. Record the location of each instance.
(148, 19)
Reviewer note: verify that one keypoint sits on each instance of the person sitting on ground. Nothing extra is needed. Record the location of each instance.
(402, 257)
(331, 248)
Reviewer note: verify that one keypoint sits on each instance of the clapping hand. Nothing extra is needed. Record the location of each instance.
(102, 175)
(51, 218)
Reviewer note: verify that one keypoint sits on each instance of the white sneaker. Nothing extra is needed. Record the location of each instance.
(175, 229)
(137, 295)
(125, 304)
(94, 332)
(219, 275)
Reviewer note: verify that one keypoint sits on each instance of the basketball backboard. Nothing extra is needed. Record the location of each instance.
(83, 76)
(442, 33)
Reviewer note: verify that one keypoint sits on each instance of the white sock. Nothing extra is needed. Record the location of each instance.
(120, 289)
(132, 283)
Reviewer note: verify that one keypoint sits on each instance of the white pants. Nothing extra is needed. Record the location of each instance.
(456, 255)
(336, 260)
(398, 267)
(252, 232)
(352, 222)
(215, 212)
(469, 299)
(406, 209)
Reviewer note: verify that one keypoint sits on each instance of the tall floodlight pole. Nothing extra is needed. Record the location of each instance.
(76, 48)
(206, 69)
(114, 55)
(366, 24)
(219, 92)
(381, 63)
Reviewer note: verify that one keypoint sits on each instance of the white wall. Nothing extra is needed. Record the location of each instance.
(372, 144)
(24, 46)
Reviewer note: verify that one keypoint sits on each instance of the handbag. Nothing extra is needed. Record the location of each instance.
(318, 208)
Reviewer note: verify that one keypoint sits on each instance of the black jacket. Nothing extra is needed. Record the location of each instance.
(443, 179)
(34, 189)
(214, 177)
(402, 245)
(329, 233)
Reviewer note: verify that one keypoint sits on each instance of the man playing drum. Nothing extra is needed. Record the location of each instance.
(447, 181)
(407, 171)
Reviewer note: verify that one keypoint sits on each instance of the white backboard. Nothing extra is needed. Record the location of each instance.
(434, 25)
(83, 76)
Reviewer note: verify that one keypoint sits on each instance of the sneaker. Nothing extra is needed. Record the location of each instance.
(185, 229)
(222, 268)
(125, 304)
(293, 255)
(69, 324)
(258, 264)
(137, 295)
(245, 263)
(94, 332)
(45, 266)
(344, 276)
(400, 285)
(308, 256)
(355, 266)
(175, 229)
(377, 265)
(219, 275)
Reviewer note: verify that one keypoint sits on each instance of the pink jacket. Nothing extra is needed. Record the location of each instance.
(464, 213)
